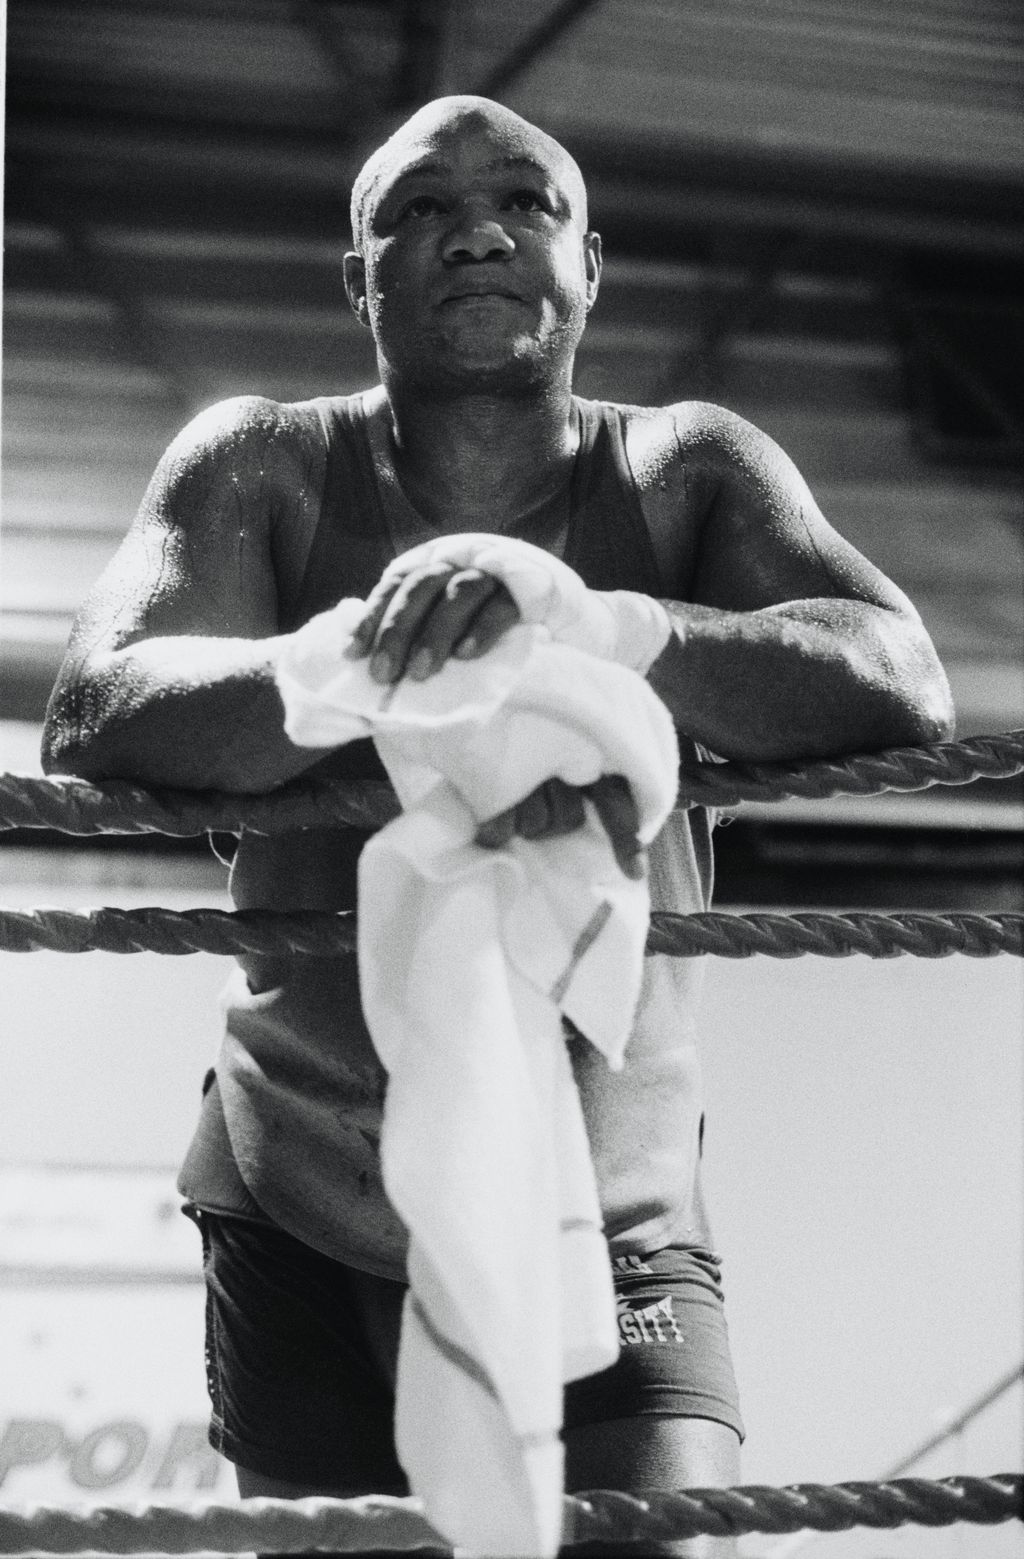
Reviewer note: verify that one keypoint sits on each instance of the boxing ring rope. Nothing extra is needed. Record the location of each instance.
(115, 806)
(292, 1526)
(321, 933)
(77, 806)
(397, 1525)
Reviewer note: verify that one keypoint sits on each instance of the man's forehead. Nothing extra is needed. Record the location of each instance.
(427, 161)
(441, 135)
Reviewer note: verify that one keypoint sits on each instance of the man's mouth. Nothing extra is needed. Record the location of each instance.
(483, 295)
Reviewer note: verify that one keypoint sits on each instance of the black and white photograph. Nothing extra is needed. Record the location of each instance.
(512, 778)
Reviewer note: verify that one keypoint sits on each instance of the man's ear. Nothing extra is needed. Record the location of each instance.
(355, 286)
(592, 264)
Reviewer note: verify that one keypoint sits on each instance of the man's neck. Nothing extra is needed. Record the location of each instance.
(482, 462)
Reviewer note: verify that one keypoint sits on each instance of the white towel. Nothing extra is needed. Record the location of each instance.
(468, 958)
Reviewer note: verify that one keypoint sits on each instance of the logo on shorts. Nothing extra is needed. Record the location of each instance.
(653, 1323)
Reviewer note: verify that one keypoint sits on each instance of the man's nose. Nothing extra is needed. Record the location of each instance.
(478, 237)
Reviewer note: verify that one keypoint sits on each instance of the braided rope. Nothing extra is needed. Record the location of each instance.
(154, 929)
(377, 1521)
(77, 806)
(835, 936)
(816, 1507)
(320, 933)
(860, 774)
(271, 1526)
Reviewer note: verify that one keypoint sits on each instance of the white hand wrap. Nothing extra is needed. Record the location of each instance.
(617, 625)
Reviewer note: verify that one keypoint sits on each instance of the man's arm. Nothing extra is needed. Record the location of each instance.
(796, 646)
(169, 676)
(787, 642)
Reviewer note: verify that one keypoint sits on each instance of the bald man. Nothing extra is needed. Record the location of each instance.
(766, 635)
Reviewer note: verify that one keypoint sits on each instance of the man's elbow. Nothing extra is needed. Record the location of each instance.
(66, 748)
(940, 717)
(914, 697)
(77, 725)
(52, 754)
(78, 759)
(926, 710)
(928, 724)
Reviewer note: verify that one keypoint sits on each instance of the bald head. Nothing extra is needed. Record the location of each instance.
(443, 122)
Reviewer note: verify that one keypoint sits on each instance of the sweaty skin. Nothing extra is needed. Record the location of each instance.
(475, 270)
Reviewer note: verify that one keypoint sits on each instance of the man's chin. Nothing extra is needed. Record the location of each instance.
(482, 365)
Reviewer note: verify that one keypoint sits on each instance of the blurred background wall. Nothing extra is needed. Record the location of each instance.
(812, 214)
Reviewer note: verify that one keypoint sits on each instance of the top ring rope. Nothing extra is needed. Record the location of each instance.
(75, 806)
(388, 1524)
(901, 769)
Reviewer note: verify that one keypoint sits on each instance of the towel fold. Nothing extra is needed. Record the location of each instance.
(468, 960)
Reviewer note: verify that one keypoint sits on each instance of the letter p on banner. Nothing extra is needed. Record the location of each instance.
(26, 1442)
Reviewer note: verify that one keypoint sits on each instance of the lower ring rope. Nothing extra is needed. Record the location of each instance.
(320, 933)
(348, 1526)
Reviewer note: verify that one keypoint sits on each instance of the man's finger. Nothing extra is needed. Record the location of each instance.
(553, 808)
(466, 595)
(497, 831)
(365, 631)
(396, 645)
(531, 815)
(615, 806)
(496, 616)
(565, 810)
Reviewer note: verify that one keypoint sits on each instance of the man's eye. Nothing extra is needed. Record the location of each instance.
(421, 206)
(526, 200)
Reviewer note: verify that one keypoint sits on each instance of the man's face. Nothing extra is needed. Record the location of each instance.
(476, 271)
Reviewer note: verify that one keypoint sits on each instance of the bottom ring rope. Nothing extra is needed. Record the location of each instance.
(276, 1526)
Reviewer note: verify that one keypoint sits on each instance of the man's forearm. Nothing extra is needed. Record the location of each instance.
(195, 712)
(802, 680)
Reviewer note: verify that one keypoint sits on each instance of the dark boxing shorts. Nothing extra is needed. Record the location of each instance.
(301, 1353)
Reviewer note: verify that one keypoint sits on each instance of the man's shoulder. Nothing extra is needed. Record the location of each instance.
(264, 450)
(245, 424)
(684, 438)
(686, 427)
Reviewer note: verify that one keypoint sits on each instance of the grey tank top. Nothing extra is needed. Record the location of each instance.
(290, 1122)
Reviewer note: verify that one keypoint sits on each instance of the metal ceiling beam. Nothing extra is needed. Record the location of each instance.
(424, 29)
(547, 32)
(644, 204)
(931, 339)
(354, 101)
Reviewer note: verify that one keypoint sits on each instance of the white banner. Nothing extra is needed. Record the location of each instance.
(102, 1380)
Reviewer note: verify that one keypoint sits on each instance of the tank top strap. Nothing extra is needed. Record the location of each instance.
(351, 546)
(610, 547)
(608, 543)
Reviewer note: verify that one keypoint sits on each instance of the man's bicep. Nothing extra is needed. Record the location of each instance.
(764, 540)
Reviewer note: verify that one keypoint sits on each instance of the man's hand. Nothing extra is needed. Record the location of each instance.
(458, 594)
(414, 624)
(557, 808)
